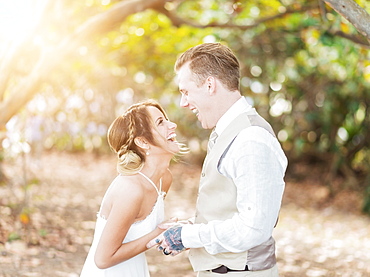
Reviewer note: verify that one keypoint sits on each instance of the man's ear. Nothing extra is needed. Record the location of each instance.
(211, 84)
(141, 142)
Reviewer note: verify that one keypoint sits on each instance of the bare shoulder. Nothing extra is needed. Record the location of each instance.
(125, 194)
(128, 187)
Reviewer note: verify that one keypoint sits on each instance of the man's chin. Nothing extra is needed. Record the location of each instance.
(204, 126)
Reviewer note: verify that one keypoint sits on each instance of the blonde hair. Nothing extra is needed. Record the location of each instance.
(212, 59)
(135, 122)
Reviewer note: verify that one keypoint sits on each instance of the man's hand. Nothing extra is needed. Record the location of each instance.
(169, 241)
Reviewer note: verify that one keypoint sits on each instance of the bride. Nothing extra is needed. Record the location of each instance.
(132, 208)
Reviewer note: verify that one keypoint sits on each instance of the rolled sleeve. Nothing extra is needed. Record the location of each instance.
(190, 236)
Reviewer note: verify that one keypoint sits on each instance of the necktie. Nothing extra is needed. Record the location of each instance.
(212, 139)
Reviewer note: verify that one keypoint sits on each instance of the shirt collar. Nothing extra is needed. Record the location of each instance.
(236, 109)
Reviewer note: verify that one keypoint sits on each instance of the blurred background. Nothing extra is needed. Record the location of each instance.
(68, 68)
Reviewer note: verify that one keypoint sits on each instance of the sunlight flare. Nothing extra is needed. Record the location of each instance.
(18, 18)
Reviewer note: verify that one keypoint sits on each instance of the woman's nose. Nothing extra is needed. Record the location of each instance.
(173, 125)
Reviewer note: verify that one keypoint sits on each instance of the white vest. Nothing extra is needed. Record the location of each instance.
(217, 200)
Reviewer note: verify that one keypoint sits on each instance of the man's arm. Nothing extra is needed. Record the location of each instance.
(256, 164)
(257, 169)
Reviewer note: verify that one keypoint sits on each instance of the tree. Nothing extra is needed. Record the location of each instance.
(303, 63)
(354, 14)
(14, 97)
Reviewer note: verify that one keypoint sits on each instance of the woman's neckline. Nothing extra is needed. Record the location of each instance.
(150, 181)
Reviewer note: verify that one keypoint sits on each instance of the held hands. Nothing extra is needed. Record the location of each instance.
(169, 241)
(168, 223)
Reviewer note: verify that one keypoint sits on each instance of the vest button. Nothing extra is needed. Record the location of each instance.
(203, 174)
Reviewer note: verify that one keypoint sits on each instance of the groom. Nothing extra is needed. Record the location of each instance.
(242, 180)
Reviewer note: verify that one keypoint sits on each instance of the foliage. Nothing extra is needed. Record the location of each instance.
(301, 67)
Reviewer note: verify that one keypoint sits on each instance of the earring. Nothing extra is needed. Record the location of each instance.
(147, 153)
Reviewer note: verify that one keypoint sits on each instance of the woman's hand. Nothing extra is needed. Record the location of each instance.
(173, 222)
(168, 223)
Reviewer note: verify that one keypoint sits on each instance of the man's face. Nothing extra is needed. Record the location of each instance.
(196, 98)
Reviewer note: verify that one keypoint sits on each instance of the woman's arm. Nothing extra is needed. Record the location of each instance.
(126, 206)
(127, 202)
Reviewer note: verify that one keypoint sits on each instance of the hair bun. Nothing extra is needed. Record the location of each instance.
(129, 163)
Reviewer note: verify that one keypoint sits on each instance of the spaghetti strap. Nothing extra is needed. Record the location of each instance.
(150, 181)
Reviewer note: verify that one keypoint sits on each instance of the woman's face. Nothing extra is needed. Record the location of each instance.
(164, 131)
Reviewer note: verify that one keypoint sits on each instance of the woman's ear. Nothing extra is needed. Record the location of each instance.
(141, 142)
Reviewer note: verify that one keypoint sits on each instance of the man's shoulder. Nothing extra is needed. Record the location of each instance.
(254, 134)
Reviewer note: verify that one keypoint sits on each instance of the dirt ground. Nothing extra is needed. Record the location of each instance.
(315, 237)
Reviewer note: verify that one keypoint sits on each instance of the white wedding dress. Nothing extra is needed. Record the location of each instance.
(136, 266)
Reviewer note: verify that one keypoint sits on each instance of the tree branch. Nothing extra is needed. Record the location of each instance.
(98, 24)
(356, 15)
(177, 21)
(108, 20)
(356, 39)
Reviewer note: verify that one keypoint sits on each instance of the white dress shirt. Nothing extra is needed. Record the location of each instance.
(256, 163)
